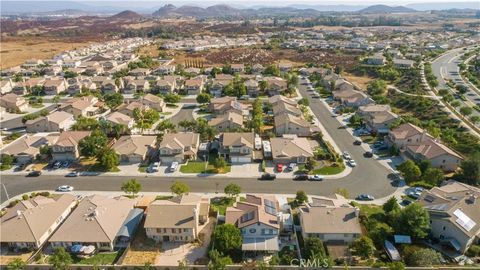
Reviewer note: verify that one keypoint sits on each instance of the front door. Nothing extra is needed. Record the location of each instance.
(166, 238)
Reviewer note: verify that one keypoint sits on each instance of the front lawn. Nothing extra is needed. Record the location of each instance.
(199, 167)
(103, 258)
(220, 204)
(329, 170)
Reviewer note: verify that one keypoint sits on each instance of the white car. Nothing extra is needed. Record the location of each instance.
(291, 166)
(315, 177)
(352, 163)
(65, 188)
(346, 155)
(173, 166)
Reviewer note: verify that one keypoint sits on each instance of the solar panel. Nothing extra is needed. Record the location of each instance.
(463, 220)
(270, 207)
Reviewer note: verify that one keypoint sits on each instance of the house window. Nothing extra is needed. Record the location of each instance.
(252, 230)
(443, 161)
(444, 228)
(185, 230)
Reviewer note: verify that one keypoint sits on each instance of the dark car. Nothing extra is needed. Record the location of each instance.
(301, 177)
(368, 154)
(267, 176)
(34, 173)
(357, 142)
(365, 197)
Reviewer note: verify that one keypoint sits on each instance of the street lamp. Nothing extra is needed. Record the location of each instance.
(6, 193)
(205, 157)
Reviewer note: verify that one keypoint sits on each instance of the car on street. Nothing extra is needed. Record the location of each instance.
(65, 188)
(267, 176)
(173, 167)
(365, 197)
(357, 142)
(279, 167)
(415, 192)
(291, 166)
(72, 174)
(368, 154)
(300, 177)
(346, 155)
(315, 177)
(352, 163)
(34, 174)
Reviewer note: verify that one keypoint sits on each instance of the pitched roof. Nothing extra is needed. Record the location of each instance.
(55, 117)
(119, 118)
(71, 138)
(405, 131)
(285, 118)
(238, 139)
(290, 146)
(230, 116)
(29, 144)
(179, 140)
(134, 144)
(340, 220)
(255, 208)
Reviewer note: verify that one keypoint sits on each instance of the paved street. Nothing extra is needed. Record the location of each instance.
(185, 113)
(16, 122)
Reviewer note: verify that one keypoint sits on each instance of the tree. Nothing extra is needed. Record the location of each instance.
(391, 205)
(396, 266)
(16, 264)
(314, 247)
(301, 197)
(179, 188)
(423, 257)
(466, 111)
(410, 171)
(132, 187)
(413, 220)
(462, 89)
(377, 87)
(455, 103)
(475, 119)
(166, 126)
(310, 164)
(433, 176)
(219, 163)
(227, 237)
(172, 98)
(218, 261)
(113, 100)
(108, 159)
(232, 190)
(363, 247)
(470, 170)
(60, 259)
(424, 165)
(203, 98)
(92, 144)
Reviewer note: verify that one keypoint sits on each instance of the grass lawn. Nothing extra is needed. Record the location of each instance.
(5, 167)
(37, 105)
(221, 204)
(143, 168)
(199, 167)
(104, 258)
(98, 168)
(163, 198)
(329, 170)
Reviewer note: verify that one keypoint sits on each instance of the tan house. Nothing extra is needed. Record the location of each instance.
(179, 147)
(229, 121)
(6, 86)
(31, 222)
(226, 104)
(55, 122)
(86, 106)
(178, 219)
(164, 70)
(66, 146)
(238, 68)
(109, 86)
(136, 85)
(253, 88)
(403, 63)
(454, 214)
(13, 103)
(352, 98)
(193, 86)
(290, 124)
(26, 148)
(237, 147)
(99, 221)
(380, 122)
(135, 148)
(118, 118)
(415, 143)
(275, 85)
(139, 72)
(154, 102)
(128, 108)
(54, 86)
(291, 149)
(166, 85)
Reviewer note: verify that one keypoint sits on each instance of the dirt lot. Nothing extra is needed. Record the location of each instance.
(15, 51)
(142, 250)
(361, 82)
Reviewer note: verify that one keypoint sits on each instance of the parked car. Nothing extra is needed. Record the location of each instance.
(352, 163)
(20, 167)
(357, 142)
(368, 154)
(346, 155)
(365, 197)
(65, 188)
(65, 164)
(72, 174)
(34, 174)
(56, 165)
(173, 167)
(315, 177)
(291, 166)
(279, 167)
(406, 202)
(267, 176)
(153, 167)
(300, 177)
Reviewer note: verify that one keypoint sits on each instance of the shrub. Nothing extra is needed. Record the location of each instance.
(25, 197)
(474, 251)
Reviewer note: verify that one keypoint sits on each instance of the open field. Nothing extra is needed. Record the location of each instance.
(360, 81)
(15, 51)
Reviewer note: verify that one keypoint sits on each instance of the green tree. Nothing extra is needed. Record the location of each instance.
(219, 163)
(301, 197)
(203, 98)
(314, 247)
(363, 247)
(377, 87)
(108, 159)
(16, 264)
(172, 98)
(113, 100)
(218, 261)
(470, 170)
(391, 205)
(233, 190)
(94, 143)
(166, 126)
(132, 187)
(433, 176)
(424, 165)
(60, 259)
(466, 111)
(423, 257)
(179, 188)
(413, 220)
(396, 266)
(310, 164)
(410, 171)
(227, 237)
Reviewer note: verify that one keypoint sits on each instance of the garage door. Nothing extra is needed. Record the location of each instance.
(240, 159)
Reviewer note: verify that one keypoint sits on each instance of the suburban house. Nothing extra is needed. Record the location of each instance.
(352, 98)
(66, 146)
(454, 214)
(119, 118)
(179, 147)
(164, 70)
(237, 147)
(257, 219)
(238, 68)
(275, 85)
(135, 148)
(286, 123)
(128, 108)
(54, 86)
(136, 85)
(166, 85)
(178, 219)
(6, 86)
(291, 149)
(193, 86)
(253, 88)
(139, 72)
(154, 102)
(26, 148)
(29, 223)
(109, 86)
(103, 222)
(229, 121)
(376, 60)
(55, 122)
(415, 143)
(86, 106)
(403, 63)
(13, 103)
(226, 104)
(285, 107)
(377, 118)
(334, 221)
(217, 86)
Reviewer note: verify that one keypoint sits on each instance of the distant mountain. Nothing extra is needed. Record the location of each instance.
(386, 9)
(127, 15)
(444, 5)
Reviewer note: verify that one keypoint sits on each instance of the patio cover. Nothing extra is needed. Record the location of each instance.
(402, 239)
(454, 243)
(260, 244)
(131, 223)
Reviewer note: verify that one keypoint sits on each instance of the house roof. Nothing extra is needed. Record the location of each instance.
(284, 107)
(374, 108)
(383, 117)
(152, 98)
(230, 116)
(317, 219)
(80, 103)
(405, 131)
(96, 219)
(55, 117)
(119, 118)
(29, 144)
(255, 208)
(134, 144)
(71, 138)
(290, 146)
(29, 220)
(238, 139)
(179, 140)
(285, 118)
(430, 148)
(11, 98)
